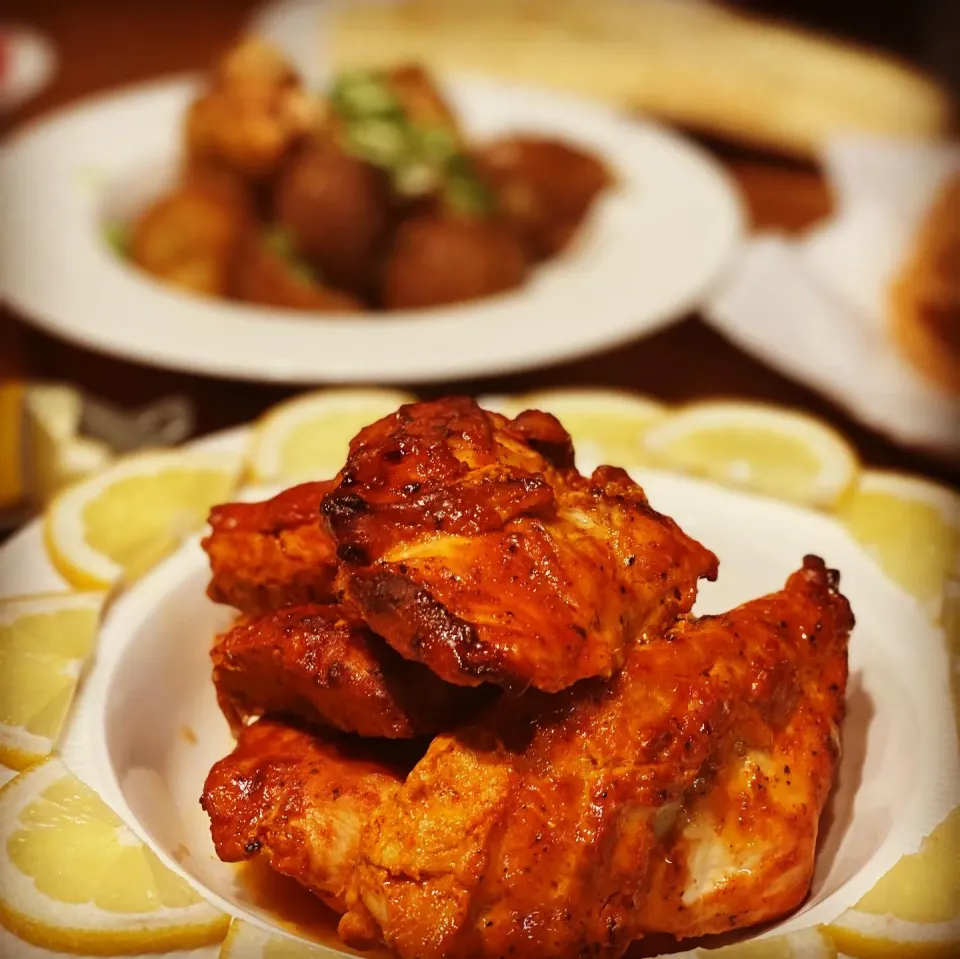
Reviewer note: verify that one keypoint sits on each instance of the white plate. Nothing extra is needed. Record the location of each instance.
(151, 682)
(648, 254)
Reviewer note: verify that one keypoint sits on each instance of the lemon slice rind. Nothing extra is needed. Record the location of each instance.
(83, 928)
(813, 943)
(838, 464)
(64, 535)
(265, 459)
(607, 426)
(865, 936)
(245, 940)
(20, 748)
(906, 558)
(585, 399)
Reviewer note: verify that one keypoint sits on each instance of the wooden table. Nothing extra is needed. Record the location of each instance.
(105, 43)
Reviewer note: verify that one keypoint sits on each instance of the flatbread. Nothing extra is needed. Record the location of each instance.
(695, 64)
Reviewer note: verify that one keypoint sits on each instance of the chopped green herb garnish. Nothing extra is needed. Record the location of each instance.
(464, 190)
(383, 142)
(279, 242)
(361, 95)
(118, 239)
(419, 159)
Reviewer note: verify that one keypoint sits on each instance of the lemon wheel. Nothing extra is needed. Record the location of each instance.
(74, 878)
(117, 524)
(807, 944)
(911, 527)
(45, 642)
(607, 426)
(247, 941)
(760, 448)
(306, 438)
(913, 912)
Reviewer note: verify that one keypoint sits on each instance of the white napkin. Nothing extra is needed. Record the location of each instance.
(815, 307)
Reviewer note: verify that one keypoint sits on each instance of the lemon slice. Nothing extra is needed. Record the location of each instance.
(44, 643)
(764, 449)
(913, 912)
(607, 426)
(306, 438)
(808, 944)
(911, 526)
(74, 878)
(115, 525)
(247, 941)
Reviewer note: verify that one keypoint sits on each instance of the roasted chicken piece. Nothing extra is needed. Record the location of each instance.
(544, 188)
(471, 545)
(322, 666)
(271, 554)
(300, 801)
(570, 825)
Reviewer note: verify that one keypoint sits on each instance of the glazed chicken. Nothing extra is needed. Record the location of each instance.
(271, 554)
(644, 772)
(683, 796)
(471, 545)
(298, 800)
(320, 665)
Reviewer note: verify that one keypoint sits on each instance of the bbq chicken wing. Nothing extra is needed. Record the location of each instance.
(271, 554)
(297, 800)
(570, 825)
(471, 545)
(323, 667)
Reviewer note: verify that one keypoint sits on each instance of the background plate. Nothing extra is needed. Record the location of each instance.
(647, 255)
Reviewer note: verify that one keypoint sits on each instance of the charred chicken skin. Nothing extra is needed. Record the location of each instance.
(570, 825)
(320, 665)
(271, 554)
(471, 545)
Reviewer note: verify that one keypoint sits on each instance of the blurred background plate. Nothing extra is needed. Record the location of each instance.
(649, 253)
(27, 64)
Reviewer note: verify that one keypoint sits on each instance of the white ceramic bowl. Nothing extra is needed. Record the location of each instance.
(151, 729)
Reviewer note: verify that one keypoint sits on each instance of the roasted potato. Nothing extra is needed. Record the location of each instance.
(254, 112)
(544, 188)
(220, 180)
(437, 260)
(263, 274)
(188, 238)
(338, 210)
